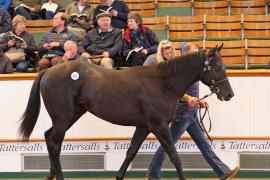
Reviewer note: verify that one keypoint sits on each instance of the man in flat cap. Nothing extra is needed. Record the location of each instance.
(104, 40)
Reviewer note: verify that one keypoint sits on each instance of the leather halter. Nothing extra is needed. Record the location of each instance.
(213, 87)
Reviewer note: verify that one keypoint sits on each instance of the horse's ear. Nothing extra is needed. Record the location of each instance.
(219, 48)
(212, 52)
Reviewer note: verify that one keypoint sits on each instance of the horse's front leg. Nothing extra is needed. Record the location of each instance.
(164, 136)
(139, 136)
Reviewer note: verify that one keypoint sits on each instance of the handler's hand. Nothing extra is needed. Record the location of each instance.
(203, 104)
(192, 101)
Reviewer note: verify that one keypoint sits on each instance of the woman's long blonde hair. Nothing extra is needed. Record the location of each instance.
(164, 44)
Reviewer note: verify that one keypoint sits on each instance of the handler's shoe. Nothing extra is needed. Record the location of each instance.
(230, 174)
(151, 178)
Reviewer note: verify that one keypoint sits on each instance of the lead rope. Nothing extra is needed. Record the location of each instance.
(200, 121)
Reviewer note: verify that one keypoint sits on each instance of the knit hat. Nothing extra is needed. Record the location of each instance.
(137, 17)
(103, 14)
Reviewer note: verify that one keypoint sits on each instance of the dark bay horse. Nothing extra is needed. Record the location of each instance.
(144, 97)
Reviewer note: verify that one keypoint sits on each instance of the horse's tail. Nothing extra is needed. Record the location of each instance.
(31, 113)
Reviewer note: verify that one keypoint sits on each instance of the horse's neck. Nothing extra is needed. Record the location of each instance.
(186, 72)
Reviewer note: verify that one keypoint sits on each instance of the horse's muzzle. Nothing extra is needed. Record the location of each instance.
(229, 96)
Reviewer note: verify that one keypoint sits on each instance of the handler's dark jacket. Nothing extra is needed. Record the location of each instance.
(183, 107)
(54, 36)
(97, 42)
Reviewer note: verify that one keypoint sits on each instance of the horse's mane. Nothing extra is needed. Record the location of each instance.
(177, 64)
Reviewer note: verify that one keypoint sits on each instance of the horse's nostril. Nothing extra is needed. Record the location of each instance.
(229, 96)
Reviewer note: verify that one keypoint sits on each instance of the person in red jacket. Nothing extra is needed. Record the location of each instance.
(139, 41)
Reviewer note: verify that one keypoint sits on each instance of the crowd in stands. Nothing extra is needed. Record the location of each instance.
(107, 35)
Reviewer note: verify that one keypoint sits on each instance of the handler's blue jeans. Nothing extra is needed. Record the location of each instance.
(188, 121)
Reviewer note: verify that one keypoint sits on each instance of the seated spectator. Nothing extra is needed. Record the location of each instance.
(104, 40)
(49, 9)
(118, 10)
(61, 5)
(5, 4)
(28, 8)
(80, 17)
(19, 45)
(139, 41)
(165, 52)
(71, 54)
(5, 21)
(51, 48)
(5, 63)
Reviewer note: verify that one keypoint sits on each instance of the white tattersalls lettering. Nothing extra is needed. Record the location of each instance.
(94, 146)
(37, 147)
(241, 145)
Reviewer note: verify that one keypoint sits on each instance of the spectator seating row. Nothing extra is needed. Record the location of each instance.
(239, 54)
(212, 27)
(246, 37)
(144, 7)
(199, 7)
(228, 7)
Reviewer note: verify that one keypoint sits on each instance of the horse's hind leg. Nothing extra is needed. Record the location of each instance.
(139, 136)
(54, 138)
(165, 140)
(52, 170)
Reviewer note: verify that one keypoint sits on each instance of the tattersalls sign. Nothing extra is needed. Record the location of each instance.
(147, 146)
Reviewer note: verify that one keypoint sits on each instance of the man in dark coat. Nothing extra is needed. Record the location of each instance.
(103, 40)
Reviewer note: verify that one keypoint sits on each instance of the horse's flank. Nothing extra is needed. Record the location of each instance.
(118, 92)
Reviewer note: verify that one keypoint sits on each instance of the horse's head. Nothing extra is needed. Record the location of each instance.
(214, 75)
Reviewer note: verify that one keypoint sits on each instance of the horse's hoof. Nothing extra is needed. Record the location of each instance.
(60, 177)
(48, 178)
(119, 178)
